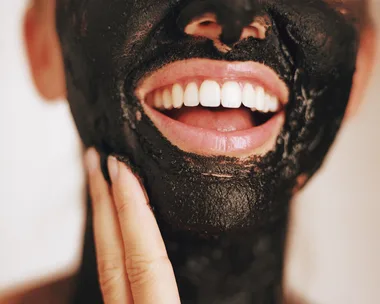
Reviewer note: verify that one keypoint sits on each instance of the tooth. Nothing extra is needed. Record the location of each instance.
(177, 95)
(260, 99)
(191, 96)
(168, 100)
(158, 102)
(209, 94)
(231, 95)
(267, 103)
(274, 104)
(249, 96)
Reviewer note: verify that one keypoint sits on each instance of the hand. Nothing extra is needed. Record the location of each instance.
(133, 264)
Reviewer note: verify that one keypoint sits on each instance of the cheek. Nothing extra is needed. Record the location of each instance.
(364, 68)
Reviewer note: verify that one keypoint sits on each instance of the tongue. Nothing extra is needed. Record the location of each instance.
(222, 120)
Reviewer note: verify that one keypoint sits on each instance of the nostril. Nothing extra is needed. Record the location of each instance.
(258, 29)
(204, 26)
(255, 30)
(206, 23)
(195, 10)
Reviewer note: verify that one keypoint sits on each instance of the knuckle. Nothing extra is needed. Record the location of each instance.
(99, 197)
(111, 285)
(111, 275)
(122, 202)
(121, 206)
(109, 263)
(142, 271)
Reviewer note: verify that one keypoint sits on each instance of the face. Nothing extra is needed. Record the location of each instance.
(223, 108)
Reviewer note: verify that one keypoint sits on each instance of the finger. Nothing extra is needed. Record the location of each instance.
(108, 239)
(148, 267)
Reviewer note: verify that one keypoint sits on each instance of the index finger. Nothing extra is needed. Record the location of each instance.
(149, 270)
(108, 239)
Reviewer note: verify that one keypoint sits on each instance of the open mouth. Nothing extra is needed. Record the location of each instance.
(216, 108)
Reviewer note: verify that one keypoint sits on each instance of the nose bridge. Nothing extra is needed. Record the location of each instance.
(227, 21)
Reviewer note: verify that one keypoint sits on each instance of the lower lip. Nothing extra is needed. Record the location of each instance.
(251, 142)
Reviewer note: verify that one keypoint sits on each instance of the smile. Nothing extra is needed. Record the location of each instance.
(216, 108)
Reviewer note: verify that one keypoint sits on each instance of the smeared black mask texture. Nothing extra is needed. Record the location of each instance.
(224, 235)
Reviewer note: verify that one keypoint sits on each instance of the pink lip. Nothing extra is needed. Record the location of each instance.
(255, 141)
(194, 69)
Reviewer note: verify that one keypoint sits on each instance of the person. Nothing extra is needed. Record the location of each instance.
(223, 110)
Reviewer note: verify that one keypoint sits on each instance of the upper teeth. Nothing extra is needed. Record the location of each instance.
(210, 93)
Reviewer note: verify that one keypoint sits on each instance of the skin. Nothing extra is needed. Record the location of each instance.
(133, 263)
(232, 250)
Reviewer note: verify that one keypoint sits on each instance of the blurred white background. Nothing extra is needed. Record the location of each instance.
(335, 252)
(41, 180)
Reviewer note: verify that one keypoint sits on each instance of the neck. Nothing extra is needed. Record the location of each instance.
(235, 268)
(239, 268)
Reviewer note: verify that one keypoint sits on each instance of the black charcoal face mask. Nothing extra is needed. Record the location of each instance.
(224, 235)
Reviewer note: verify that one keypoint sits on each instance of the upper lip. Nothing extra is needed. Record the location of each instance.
(254, 72)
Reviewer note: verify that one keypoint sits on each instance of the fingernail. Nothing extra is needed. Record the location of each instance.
(92, 160)
(113, 168)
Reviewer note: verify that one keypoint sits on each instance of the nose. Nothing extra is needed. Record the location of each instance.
(223, 22)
